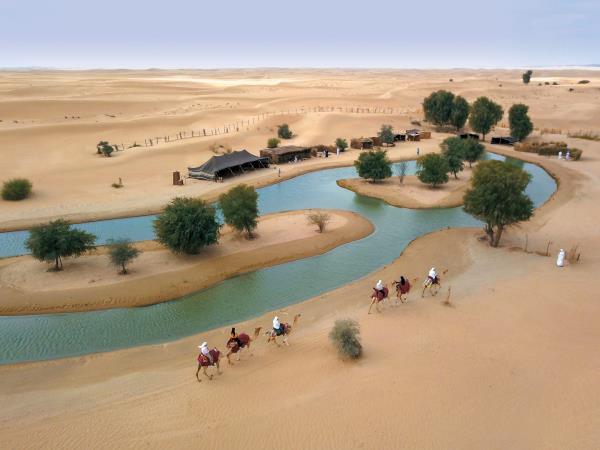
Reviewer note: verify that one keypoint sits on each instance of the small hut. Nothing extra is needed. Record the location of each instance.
(504, 140)
(377, 141)
(413, 135)
(361, 143)
(279, 155)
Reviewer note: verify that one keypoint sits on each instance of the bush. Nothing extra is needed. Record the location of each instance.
(373, 165)
(401, 170)
(453, 151)
(121, 252)
(527, 76)
(16, 189)
(386, 134)
(484, 115)
(519, 122)
(548, 149)
(438, 107)
(55, 240)
(344, 336)
(433, 169)
(240, 208)
(284, 132)
(320, 219)
(583, 81)
(497, 197)
(341, 143)
(104, 148)
(273, 143)
(187, 225)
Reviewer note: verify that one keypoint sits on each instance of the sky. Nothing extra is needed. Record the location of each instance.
(302, 33)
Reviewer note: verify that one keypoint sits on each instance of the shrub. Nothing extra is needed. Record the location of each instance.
(16, 189)
(121, 252)
(484, 115)
(497, 197)
(341, 143)
(187, 225)
(104, 148)
(345, 337)
(583, 81)
(320, 219)
(519, 122)
(453, 151)
(273, 143)
(460, 112)
(55, 240)
(588, 135)
(432, 169)
(240, 208)
(373, 165)
(284, 132)
(386, 134)
(548, 149)
(527, 76)
(438, 107)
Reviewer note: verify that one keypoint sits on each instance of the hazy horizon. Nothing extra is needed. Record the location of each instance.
(69, 34)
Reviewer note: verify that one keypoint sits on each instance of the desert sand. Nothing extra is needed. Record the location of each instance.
(411, 193)
(513, 362)
(90, 282)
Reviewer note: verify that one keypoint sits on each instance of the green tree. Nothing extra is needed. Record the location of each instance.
(527, 76)
(497, 197)
(386, 134)
(433, 169)
(187, 225)
(121, 252)
(460, 112)
(53, 241)
(519, 122)
(438, 107)
(453, 151)
(341, 143)
(284, 132)
(473, 150)
(16, 189)
(240, 208)
(484, 115)
(273, 143)
(373, 165)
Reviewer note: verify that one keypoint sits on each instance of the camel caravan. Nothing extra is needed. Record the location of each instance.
(211, 357)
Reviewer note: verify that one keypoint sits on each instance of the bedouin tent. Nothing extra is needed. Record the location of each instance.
(504, 140)
(232, 163)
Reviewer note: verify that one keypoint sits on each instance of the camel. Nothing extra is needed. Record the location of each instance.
(204, 362)
(433, 285)
(402, 290)
(287, 329)
(377, 297)
(234, 346)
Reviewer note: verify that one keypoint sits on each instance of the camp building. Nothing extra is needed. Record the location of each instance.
(229, 164)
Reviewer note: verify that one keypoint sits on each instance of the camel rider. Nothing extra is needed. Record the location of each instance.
(277, 327)
(235, 338)
(206, 352)
(379, 288)
(433, 276)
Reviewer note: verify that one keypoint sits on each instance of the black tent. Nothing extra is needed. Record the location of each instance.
(504, 140)
(228, 164)
(469, 135)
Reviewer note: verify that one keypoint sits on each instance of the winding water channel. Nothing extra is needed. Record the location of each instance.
(30, 338)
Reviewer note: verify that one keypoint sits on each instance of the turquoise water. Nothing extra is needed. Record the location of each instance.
(28, 338)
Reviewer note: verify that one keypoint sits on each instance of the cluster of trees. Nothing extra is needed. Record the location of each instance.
(443, 108)
(433, 168)
(16, 189)
(187, 225)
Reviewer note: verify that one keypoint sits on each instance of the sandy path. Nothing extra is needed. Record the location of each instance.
(90, 283)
